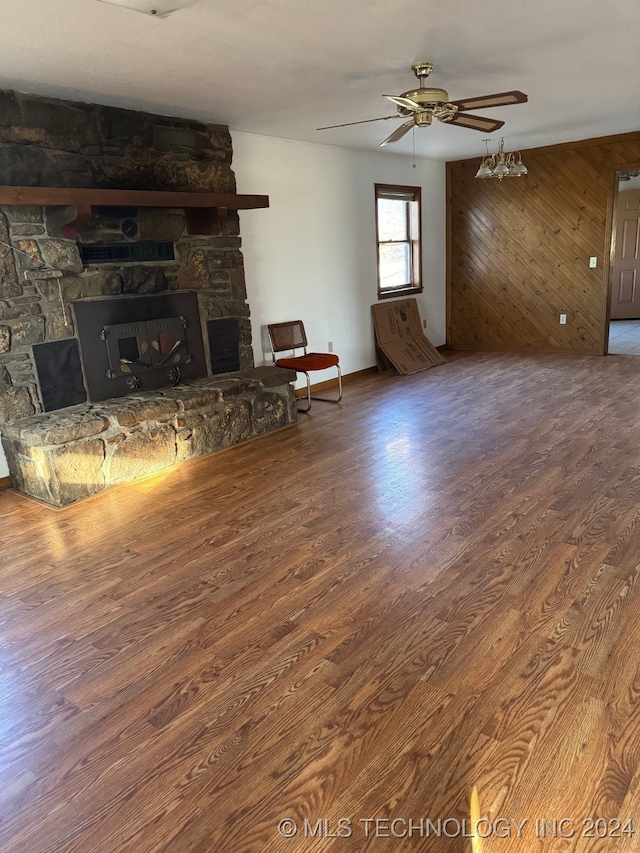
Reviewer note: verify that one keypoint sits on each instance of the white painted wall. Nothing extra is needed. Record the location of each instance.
(4, 470)
(311, 255)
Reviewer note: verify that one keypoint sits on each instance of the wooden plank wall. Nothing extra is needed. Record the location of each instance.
(518, 250)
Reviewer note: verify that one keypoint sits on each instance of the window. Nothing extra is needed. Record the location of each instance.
(398, 240)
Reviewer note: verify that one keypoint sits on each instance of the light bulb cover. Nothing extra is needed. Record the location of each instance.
(484, 172)
(155, 8)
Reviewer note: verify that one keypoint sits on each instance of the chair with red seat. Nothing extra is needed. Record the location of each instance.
(291, 336)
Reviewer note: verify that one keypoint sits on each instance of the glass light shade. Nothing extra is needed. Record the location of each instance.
(519, 169)
(484, 171)
(501, 170)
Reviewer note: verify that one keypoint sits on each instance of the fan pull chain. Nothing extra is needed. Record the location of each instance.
(414, 145)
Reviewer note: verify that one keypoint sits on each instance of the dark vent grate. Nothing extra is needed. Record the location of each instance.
(224, 340)
(60, 374)
(145, 250)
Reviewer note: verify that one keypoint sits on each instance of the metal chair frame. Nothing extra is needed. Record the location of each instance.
(296, 341)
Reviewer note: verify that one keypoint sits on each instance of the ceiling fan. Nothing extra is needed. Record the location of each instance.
(424, 103)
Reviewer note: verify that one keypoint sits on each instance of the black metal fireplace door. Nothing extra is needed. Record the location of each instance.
(139, 342)
(134, 348)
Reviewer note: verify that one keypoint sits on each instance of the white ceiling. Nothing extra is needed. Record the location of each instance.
(284, 67)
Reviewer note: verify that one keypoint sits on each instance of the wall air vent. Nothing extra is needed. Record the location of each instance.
(109, 253)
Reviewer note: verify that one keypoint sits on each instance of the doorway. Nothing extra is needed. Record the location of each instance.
(624, 323)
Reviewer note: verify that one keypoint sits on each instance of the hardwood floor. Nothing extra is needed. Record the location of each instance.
(431, 587)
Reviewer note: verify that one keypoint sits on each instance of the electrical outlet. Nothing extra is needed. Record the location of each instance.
(593, 263)
(424, 324)
(563, 319)
(330, 346)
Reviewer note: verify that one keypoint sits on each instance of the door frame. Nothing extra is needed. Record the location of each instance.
(610, 242)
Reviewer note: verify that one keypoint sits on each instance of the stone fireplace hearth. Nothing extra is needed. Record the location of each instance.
(64, 456)
(88, 402)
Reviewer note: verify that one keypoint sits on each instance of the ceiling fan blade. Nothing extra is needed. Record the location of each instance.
(364, 121)
(488, 125)
(502, 99)
(398, 133)
(407, 103)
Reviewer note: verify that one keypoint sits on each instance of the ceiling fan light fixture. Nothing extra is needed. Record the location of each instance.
(421, 105)
(423, 119)
(155, 8)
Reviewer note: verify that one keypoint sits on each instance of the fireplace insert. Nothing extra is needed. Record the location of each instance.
(135, 343)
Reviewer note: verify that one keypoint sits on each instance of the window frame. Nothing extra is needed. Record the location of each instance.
(414, 240)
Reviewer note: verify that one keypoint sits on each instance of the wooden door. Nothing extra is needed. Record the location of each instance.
(625, 296)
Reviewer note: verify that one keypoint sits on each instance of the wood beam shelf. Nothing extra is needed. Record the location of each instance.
(204, 211)
(128, 198)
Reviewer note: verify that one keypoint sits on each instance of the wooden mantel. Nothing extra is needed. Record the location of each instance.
(128, 198)
(204, 211)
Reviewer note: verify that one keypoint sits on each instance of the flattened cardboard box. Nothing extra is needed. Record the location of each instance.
(399, 337)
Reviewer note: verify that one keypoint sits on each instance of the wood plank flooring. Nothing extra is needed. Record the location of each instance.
(431, 587)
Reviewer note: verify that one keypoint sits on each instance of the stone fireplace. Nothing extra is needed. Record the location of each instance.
(125, 339)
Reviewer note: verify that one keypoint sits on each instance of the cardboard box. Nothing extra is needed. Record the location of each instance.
(400, 342)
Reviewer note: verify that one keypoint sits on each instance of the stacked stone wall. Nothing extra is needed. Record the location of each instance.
(47, 142)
